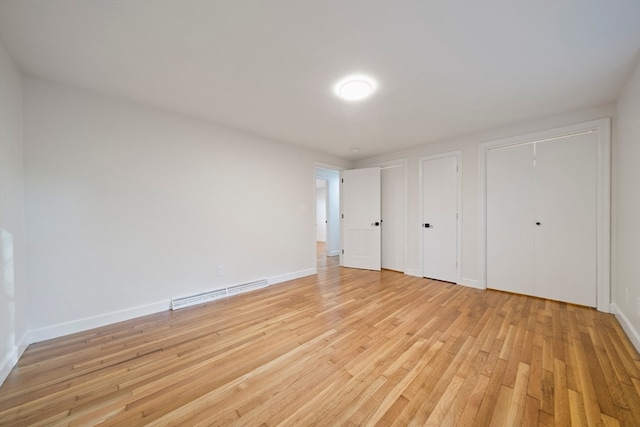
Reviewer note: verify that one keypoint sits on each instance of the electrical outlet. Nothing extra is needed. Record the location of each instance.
(221, 270)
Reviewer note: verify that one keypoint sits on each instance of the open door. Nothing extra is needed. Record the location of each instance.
(361, 218)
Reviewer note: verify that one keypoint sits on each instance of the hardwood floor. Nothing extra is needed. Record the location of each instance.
(325, 262)
(345, 347)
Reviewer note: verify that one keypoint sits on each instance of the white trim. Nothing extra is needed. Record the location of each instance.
(79, 325)
(415, 272)
(471, 283)
(603, 127)
(11, 359)
(603, 233)
(627, 326)
(292, 276)
(326, 166)
(421, 160)
(404, 162)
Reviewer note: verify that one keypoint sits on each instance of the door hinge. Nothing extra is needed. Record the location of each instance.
(342, 216)
(342, 180)
(456, 167)
(343, 252)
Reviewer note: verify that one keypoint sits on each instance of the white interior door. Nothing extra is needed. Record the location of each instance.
(440, 219)
(361, 218)
(392, 206)
(566, 209)
(510, 219)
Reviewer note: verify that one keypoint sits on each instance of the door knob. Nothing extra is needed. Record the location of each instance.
(537, 223)
(377, 224)
(427, 226)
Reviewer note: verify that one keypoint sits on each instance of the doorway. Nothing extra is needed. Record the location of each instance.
(327, 215)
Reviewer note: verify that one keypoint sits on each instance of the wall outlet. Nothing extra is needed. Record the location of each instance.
(221, 270)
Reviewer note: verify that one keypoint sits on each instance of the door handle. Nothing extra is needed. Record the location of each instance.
(377, 224)
(427, 225)
(537, 223)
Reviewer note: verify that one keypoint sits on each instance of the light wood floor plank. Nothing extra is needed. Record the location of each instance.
(344, 347)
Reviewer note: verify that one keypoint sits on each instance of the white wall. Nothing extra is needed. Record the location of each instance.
(129, 206)
(13, 303)
(470, 183)
(626, 209)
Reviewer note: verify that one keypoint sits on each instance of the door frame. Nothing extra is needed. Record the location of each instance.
(603, 213)
(421, 160)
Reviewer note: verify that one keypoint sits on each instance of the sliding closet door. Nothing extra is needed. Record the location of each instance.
(565, 209)
(510, 229)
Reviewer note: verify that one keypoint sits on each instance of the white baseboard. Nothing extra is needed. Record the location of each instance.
(472, 283)
(627, 326)
(413, 272)
(12, 358)
(292, 276)
(79, 325)
(334, 253)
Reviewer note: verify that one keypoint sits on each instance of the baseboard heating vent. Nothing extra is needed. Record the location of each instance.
(177, 303)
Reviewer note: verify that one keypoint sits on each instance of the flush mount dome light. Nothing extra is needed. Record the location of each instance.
(355, 88)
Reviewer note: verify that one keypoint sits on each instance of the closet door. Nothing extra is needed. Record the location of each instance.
(510, 219)
(565, 208)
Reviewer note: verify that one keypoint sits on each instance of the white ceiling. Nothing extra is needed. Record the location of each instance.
(444, 68)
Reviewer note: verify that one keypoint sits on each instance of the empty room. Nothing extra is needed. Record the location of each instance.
(327, 213)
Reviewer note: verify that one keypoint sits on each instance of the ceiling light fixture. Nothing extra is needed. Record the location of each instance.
(355, 87)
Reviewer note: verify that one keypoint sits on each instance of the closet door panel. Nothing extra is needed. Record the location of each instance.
(565, 207)
(510, 229)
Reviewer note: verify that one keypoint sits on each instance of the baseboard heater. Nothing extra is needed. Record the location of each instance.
(177, 303)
